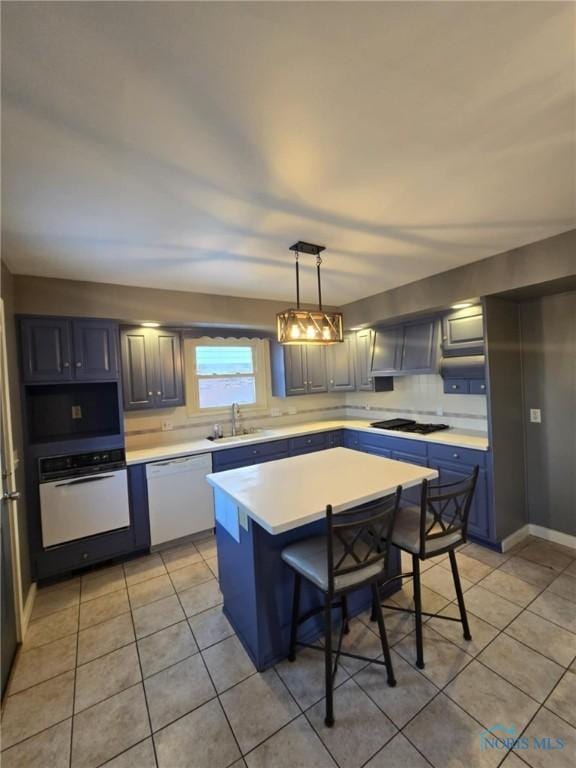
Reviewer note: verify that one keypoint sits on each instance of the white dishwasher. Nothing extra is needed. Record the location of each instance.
(180, 501)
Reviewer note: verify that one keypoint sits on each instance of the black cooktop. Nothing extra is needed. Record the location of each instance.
(408, 425)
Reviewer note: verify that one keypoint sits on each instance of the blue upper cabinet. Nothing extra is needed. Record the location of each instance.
(59, 349)
(152, 372)
(95, 350)
(463, 332)
(400, 350)
(298, 369)
(340, 358)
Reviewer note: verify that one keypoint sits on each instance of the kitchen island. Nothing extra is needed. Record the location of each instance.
(260, 509)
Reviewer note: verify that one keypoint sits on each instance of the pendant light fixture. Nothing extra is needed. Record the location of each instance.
(300, 326)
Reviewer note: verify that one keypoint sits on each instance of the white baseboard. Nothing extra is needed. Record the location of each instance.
(556, 537)
(548, 534)
(28, 608)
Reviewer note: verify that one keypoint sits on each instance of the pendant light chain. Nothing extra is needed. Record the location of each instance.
(296, 255)
(318, 263)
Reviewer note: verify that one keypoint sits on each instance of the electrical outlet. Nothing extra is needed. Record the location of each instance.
(292, 411)
(275, 412)
(167, 425)
(76, 412)
(535, 415)
(440, 411)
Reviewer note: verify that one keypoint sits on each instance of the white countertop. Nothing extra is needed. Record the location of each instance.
(285, 494)
(453, 437)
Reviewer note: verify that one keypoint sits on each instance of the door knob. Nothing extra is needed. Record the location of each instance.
(11, 496)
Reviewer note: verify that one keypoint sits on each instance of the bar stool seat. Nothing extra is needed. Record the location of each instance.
(407, 532)
(309, 557)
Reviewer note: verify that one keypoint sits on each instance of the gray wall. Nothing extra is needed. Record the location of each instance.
(551, 259)
(7, 292)
(548, 328)
(505, 417)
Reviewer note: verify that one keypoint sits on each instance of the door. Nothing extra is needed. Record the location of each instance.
(387, 348)
(418, 349)
(46, 349)
(8, 628)
(295, 369)
(168, 359)
(316, 369)
(95, 350)
(340, 360)
(363, 355)
(138, 379)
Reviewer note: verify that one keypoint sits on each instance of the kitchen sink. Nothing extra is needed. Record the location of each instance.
(247, 436)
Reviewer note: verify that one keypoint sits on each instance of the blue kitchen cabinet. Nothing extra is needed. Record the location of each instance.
(152, 372)
(401, 350)
(298, 369)
(245, 455)
(46, 344)
(463, 332)
(340, 360)
(95, 350)
(56, 350)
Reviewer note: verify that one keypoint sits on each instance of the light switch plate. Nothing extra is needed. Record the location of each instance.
(535, 415)
(167, 425)
(76, 412)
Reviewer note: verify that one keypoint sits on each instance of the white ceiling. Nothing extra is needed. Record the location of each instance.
(187, 145)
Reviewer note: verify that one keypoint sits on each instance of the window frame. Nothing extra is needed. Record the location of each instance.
(260, 356)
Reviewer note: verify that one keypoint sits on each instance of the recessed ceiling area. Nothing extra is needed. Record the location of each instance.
(188, 145)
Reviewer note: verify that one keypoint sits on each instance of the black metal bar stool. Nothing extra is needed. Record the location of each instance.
(352, 554)
(437, 526)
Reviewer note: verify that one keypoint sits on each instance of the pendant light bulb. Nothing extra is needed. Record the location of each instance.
(310, 332)
(295, 331)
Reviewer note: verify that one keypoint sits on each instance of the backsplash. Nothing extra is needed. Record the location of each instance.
(421, 398)
(417, 397)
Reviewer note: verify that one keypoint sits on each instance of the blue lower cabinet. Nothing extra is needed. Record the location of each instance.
(351, 439)
(308, 443)
(245, 455)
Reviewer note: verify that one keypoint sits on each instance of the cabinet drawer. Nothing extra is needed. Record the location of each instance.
(457, 455)
(477, 387)
(249, 454)
(306, 443)
(456, 386)
(370, 440)
(410, 458)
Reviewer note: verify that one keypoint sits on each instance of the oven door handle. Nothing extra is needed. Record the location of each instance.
(84, 480)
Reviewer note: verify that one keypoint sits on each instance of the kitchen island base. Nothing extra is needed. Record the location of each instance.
(257, 587)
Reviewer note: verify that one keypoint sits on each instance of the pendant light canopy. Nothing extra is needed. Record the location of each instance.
(300, 326)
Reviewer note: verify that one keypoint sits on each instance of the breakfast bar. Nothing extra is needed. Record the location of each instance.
(260, 509)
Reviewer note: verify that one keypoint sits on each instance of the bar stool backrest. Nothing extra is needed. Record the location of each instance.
(359, 538)
(445, 508)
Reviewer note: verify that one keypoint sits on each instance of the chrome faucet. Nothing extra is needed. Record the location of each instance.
(235, 415)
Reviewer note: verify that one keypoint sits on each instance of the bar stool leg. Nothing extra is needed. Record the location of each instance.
(329, 719)
(418, 611)
(383, 636)
(459, 595)
(345, 614)
(295, 616)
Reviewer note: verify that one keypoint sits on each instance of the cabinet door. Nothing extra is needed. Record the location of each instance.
(138, 371)
(316, 369)
(363, 355)
(463, 332)
(46, 350)
(387, 350)
(418, 347)
(95, 350)
(295, 370)
(479, 518)
(169, 379)
(340, 361)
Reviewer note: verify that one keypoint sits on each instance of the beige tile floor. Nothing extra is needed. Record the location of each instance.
(135, 666)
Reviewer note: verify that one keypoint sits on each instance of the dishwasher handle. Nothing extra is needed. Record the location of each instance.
(81, 480)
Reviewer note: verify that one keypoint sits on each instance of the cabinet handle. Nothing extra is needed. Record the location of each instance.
(482, 386)
(254, 453)
(158, 393)
(455, 455)
(150, 394)
(78, 364)
(454, 386)
(309, 441)
(66, 365)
